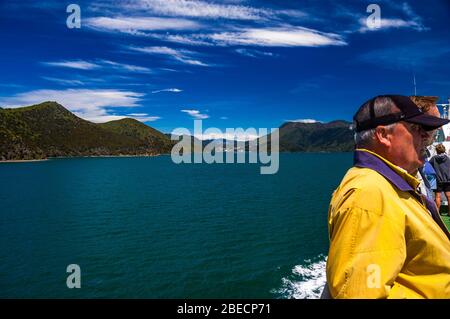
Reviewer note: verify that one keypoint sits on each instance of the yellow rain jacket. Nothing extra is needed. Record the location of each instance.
(384, 242)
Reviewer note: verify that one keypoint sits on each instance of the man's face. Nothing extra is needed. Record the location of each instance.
(408, 146)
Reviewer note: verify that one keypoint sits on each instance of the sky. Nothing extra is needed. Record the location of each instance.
(231, 63)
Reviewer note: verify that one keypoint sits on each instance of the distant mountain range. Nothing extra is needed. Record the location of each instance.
(50, 130)
(335, 136)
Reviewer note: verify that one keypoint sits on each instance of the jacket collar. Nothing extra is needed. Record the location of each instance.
(399, 177)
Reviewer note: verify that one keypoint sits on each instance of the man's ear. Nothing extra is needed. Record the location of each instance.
(383, 136)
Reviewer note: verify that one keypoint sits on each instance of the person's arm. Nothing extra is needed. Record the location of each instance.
(367, 246)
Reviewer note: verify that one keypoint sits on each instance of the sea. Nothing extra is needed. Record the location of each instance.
(145, 227)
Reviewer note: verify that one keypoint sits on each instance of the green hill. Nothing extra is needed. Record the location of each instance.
(49, 130)
(137, 130)
(334, 136)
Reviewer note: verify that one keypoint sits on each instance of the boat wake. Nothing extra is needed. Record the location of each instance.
(306, 281)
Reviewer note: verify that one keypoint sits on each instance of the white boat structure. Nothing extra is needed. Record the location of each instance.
(443, 134)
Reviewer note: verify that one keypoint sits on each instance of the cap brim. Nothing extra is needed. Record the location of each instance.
(428, 121)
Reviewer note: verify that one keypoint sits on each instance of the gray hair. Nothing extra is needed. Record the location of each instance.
(382, 106)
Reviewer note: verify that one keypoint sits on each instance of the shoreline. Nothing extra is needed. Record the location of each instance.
(24, 161)
(119, 156)
(101, 156)
(65, 157)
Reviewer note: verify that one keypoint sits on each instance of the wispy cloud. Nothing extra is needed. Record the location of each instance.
(406, 19)
(89, 104)
(76, 64)
(174, 90)
(142, 117)
(99, 64)
(392, 24)
(415, 18)
(191, 17)
(200, 9)
(181, 55)
(127, 67)
(255, 53)
(207, 10)
(136, 24)
(63, 81)
(278, 37)
(102, 116)
(187, 39)
(196, 114)
(286, 36)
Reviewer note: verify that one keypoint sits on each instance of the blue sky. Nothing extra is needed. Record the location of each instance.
(232, 63)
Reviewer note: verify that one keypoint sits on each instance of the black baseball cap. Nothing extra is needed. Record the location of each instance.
(409, 112)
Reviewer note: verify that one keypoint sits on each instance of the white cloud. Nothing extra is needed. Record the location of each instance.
(135, 24)
(391, 24)
(409, 19)
(200, 9)
(232, 10)
(191, 39)
(286, 36)
(127, 67)
(102, 117)
(88, 104)
(143, 117)
(63, 81)
(183, 56)
(196, 114)
(306, 121)
(277, 37)
(254, 53)
(174, 90)
(77, 64)
(85, 65)
(292, 13)
(418, 21)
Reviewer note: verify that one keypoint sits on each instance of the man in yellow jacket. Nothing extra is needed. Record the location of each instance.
(386, 239)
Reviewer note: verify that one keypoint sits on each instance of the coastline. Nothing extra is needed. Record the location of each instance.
(64, 157)
(100, 156)
(24, 161)
(154, 155)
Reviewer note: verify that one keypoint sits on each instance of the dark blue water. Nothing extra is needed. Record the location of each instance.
(148, 228)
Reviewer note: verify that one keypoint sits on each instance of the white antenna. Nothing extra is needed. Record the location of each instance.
(415, 88)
